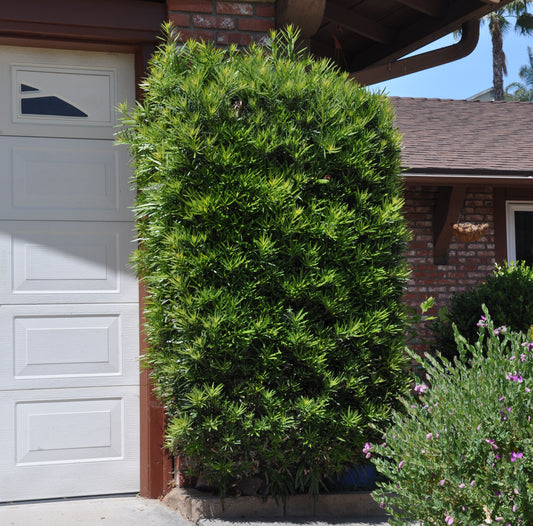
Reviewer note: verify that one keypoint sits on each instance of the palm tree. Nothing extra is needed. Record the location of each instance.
(522, 91)
(498, 23)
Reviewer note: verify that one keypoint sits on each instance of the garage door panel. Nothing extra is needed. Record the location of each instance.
(59, 93)
(55, 262)
(56, 95)
(67, 436)
(68, 430)
(85, 345)
(69, 179)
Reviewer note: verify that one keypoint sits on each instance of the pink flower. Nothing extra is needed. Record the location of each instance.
(429, 436)
(491, 442)
(400, 465)
(515, 456)
(367, 449)
(420, 388)
(442, 482)
(461, 485)
(449, 520)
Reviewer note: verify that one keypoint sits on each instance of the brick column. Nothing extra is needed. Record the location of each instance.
(222, 22)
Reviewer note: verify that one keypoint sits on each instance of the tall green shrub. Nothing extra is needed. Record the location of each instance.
(269, 215)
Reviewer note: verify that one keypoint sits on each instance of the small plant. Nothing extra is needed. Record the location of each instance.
(508, 295)
(462, 451)
(269, 211)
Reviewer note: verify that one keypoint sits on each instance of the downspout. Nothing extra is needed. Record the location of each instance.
(422, 61)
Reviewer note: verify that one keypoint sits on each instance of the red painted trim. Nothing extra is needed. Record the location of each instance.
(157, 469)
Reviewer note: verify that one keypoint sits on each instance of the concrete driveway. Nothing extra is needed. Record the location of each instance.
(108, 511)
(128, 511)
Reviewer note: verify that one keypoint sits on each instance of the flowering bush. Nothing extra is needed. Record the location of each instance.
(462, 452)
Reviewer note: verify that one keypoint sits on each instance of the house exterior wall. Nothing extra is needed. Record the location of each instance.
(469, 263)
(222, 22)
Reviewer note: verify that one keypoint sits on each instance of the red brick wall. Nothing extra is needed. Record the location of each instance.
(468, 264)
(222, 22)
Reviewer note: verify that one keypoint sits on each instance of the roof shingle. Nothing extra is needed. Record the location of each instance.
(464, 136)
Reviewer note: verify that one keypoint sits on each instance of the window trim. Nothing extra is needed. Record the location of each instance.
(510, 208)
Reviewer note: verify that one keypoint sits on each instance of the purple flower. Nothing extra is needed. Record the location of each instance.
(502, 329)
(515, 456)
(491, 442)
(515, 377)
(442, 482)
(472, 482)
(522, 357)
(429, 436)
(449, 520)
(461, 485)
(400, 465)
(367, 449)
(420, 388)
(528, 390)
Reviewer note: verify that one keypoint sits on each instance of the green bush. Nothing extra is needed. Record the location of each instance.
(462, 451)
(507, 293)
(269, 215)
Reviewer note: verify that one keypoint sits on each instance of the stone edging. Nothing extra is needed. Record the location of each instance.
(195, 505)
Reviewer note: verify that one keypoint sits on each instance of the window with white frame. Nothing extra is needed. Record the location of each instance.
(520, 232)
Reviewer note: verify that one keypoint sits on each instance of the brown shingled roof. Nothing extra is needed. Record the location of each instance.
(465, 137)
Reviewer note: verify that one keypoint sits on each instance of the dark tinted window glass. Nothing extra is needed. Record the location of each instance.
(523, 224)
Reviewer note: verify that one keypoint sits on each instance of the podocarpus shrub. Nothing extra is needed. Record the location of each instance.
(462, 452)
(507, 293)
(269, 214)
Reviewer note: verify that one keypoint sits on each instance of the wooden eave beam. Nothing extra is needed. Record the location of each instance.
(446, 213)
(433, 8)
(413, 37)
(357, 23)
(120, 21)
(307, 15)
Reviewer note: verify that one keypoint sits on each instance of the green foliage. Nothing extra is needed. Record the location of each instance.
(522, 91)
(462, 451)
(507, 293)
(269, 215)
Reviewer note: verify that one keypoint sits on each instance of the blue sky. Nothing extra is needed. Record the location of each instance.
(465, 77)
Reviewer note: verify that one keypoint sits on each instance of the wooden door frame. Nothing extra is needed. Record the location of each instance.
(121, 26)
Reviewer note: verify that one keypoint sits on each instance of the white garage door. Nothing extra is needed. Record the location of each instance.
(69, 393)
